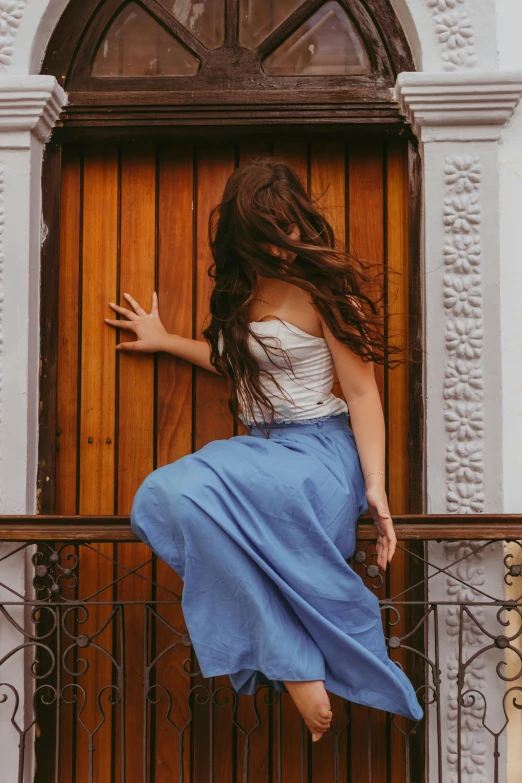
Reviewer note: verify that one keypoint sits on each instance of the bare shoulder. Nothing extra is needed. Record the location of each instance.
(302, 311)
(288, 302)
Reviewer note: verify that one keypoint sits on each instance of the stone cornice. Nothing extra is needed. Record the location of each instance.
(456, 106)
(28, 104)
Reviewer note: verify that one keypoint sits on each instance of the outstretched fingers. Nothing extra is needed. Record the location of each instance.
(155, 305)
(138, 309)
(123, 311)
(391, 548)
(382, 551)
(129, 325)
(131, 345)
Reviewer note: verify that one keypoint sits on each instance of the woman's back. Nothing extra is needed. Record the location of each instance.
(301, 365)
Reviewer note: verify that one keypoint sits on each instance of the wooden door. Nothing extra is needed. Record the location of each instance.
(134, 218)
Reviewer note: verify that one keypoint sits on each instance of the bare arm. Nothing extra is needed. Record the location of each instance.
(151, 335)
(357, 379)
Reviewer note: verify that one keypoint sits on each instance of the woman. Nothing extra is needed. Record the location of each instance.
(260, 526)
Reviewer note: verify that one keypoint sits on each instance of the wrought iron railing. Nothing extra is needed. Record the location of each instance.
(99, 682)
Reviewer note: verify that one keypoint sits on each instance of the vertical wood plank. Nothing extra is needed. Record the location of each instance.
(174, 438)
(249, 150)
(293, 756)
(366, 241)
(97, 411)
(415, 285)
(416, 435)
(48, 717)
(253, 148)
(67, 399)
(215, 163)
(135, 430)
(68, 326)
(400, 575)
(398, 319)
(295, 154)
(137, 277)
(260, 739)
(49, 292)
(175, 292)
(328, 184)
(98, 365)
(366, 210)
(216, 741)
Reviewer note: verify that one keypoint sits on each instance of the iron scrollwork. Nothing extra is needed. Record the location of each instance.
(97, 654)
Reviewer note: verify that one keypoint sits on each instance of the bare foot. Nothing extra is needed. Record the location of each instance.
(311, 699)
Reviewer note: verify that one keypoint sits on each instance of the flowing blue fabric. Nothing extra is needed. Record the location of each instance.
(259, 529)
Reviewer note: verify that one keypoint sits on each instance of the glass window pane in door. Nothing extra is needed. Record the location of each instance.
(327, 44)
(136, 44)
(259, 18)
(205, 19)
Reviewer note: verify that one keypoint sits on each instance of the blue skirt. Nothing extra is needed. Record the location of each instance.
(259, 529)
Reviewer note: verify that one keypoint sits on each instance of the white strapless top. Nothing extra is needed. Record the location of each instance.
(307, 384)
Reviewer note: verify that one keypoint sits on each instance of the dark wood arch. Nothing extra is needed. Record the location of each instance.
(231, 86)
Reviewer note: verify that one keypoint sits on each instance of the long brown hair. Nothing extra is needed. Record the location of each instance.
(261, 199)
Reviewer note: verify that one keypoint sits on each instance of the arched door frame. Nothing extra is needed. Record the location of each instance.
(230, 86)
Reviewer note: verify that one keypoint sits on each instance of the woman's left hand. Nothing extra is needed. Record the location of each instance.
(386, 538)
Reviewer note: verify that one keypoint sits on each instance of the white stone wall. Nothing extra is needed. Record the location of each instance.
(29, 105)
(509, 23)
(510, 56)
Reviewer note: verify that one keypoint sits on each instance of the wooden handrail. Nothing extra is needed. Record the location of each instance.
(420, 527)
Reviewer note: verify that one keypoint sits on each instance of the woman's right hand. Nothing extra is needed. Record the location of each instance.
(378, 506)
(150, 333)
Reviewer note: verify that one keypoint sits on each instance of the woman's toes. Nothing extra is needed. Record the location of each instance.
(312, 701)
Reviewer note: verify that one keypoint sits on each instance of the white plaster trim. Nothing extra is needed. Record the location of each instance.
(455, 33)
(28, 104)
(11, 13)
(464, 430)
(454, 107)
(459, 118)
(29, 107)
(464, 335)
(2, 294)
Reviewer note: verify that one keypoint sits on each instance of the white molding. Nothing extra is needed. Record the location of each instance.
(455, 33)
(28, 104)
(2, 297)
(464, 334)
(457, 107)
(11, 14)
(464, 430)
(29, 107)
(459, 119)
